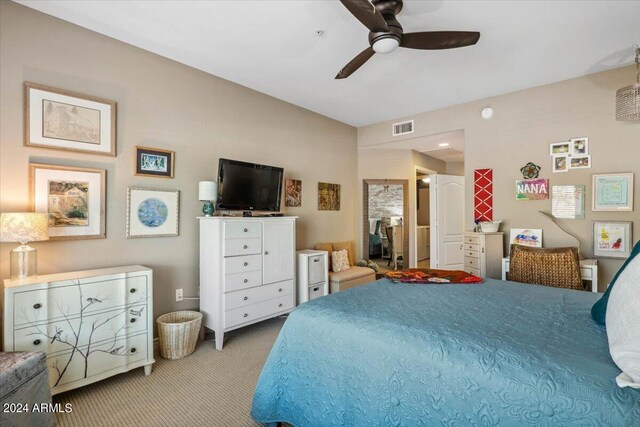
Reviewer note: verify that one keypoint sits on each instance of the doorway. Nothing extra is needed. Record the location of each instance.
(423, 220)
(385, 222)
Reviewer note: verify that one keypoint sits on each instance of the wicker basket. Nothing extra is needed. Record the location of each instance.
(178, 333)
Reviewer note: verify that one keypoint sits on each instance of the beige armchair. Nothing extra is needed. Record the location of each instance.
(354, 276)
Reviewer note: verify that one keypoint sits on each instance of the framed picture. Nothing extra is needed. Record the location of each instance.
(532, 189)
(612, 239)
(612, 192)
(152, 212)
(579, 147)
(293, 193)
(64, 120)
(328, 197)
(567, 201)
(560, 164)
(74, 199)
(560, 148)
(580, 162)
(526, 237)
(154, 162)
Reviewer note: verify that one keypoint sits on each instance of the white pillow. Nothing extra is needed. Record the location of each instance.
(340, 260)
(623, 324)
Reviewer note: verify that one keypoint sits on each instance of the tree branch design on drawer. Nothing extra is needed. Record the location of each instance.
(69, 331)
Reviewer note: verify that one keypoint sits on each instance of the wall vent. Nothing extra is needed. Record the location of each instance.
(403, 128)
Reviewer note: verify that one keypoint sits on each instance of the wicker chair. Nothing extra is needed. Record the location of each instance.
(555, 267)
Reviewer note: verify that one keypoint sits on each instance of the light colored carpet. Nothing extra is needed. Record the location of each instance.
(207, 388)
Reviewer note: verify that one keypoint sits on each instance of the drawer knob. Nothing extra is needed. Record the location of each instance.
(245, 230)
(246, 263)
(132, 290)
(37, 306)
(266, 252)
(245, 315)
(133, 350)
(280, 305)
(36, 342)
(315, 289)
(132, 320)
(280, 290)
(245, 280)
(245, 298)
(316, 260)
(245, 247)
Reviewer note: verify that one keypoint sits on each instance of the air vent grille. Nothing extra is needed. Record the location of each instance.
(403, 128)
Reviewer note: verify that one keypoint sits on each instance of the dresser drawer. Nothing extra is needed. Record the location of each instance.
(44, 305)
(233, 300)
(242, 229)
(249, 279)
(472, 254)
(256, 311)
(472, 239)
(242, 246)
(471, 247)
(473, 271)
(471, 262)
(242, 264)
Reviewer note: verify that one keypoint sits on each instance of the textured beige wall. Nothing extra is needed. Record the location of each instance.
(167, 105)
(524, 125)
(455, 168)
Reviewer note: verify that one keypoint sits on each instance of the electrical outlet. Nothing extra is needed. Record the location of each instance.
(179, 295)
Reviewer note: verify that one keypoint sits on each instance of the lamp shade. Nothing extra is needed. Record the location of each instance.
(207, 191)
(23, 227)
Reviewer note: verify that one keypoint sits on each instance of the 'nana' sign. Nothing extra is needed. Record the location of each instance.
(532, 189)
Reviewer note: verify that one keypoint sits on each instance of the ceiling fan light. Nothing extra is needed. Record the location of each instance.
(386, 45)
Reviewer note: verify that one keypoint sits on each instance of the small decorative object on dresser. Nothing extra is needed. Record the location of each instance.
(313, 274)
(154, 162)
(208, 193)
(247, 270)
(23, 228)
(92, 324)
(152, 212)
(483, 253)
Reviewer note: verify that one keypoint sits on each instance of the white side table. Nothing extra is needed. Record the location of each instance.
(588, 270)
(313, 275)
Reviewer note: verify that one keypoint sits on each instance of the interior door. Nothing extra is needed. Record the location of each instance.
(447, 222)
(278, 251)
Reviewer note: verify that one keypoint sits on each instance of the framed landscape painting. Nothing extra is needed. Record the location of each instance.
(154, 162)
(612, 192)
(152, 212)
(292, 193)
(328, 197)
(64, 120)
(612, 239)
(74, 199)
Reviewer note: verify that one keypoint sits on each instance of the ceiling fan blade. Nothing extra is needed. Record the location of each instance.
(439, 39)
(366, 13)
(356, 63)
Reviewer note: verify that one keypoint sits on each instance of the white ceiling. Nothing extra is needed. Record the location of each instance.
(271, 46)
(447, 146)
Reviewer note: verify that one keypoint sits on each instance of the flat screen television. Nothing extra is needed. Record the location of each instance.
(246, 186)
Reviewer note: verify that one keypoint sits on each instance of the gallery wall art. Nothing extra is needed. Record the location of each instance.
(152, 212)
(73, 197)
(572, 154)
(567, 201)
(532, 189)
(526, 237)
(64, 120)
(612, 192)
(292, 193)
(612, 239)
(154, 162)
(483, 195)
(328, 196)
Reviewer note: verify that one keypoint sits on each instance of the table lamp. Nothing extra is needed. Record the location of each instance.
(207, 192)
(24, 228)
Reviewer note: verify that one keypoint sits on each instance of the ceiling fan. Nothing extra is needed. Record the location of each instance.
(386, 33)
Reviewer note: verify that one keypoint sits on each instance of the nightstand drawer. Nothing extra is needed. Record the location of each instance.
(473, 271)
(472, 254)
(471, 247)
(316, 291)
(233, 300)
(317, 269)
(471, 262)
(237, 230)
(243, 246)
(586, 273)
(472, 239)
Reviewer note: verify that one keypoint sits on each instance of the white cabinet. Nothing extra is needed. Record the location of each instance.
(92, 324)
(247, 270)
(313, 275)
(483, 254)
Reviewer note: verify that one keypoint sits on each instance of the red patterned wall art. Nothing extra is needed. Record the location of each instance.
(483, 195)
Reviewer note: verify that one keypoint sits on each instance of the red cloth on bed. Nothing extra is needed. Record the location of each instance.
(426, 275)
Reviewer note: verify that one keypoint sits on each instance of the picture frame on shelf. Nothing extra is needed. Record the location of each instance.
(64, 120)
(579, 147)
(152, 212)
(560, 164)
(526, 237)
(154, 162)
(73, 197)
(612, 239)
(560, 148)
(612, 192)
(580, 162)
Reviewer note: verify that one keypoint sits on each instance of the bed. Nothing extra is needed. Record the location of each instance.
(395, 354)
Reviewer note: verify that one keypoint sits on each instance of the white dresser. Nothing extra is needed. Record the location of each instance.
(313, 274)
(483, 254)
(92, 324)
(247, 270)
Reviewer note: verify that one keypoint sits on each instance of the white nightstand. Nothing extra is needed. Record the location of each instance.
(313, 275)
(588, 270)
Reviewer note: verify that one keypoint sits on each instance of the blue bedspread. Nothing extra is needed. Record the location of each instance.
(499, 353)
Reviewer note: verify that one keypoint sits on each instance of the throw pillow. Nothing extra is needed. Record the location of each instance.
(349, 248)
(623, 318)
(340, 261)
(599, 309)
